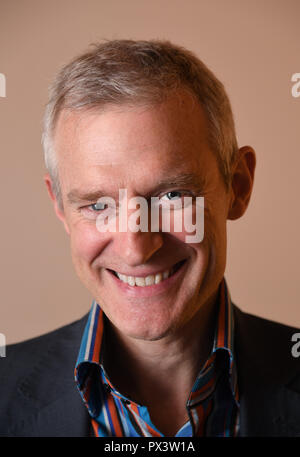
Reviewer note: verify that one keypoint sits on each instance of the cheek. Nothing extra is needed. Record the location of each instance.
(86, 243)
(197, 227)
(187, 224)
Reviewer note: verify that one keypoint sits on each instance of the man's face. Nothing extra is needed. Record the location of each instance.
(149, 151)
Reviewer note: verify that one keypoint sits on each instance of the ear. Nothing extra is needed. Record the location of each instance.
(57, 206)
(242, 182)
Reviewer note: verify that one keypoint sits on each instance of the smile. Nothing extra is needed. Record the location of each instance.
(150, 280)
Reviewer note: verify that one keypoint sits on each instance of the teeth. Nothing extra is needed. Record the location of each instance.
(144, 281)
(149, 280)
(140, 281)
(158, 278)
(131, 280)
(166, 274)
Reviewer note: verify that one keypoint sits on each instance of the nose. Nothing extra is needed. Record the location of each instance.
(136, 248)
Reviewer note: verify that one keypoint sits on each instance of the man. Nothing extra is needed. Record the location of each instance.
(163, 351)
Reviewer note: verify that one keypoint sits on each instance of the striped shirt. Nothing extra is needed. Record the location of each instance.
(213, 404)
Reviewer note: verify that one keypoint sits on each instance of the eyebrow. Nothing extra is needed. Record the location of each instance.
(183, 179)
(76, 196)
(187, 180)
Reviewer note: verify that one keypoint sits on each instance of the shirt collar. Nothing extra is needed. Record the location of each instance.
(224, 334)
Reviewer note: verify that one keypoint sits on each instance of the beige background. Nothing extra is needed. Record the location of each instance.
(254, 48)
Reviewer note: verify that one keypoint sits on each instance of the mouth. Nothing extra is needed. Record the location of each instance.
(150, 280)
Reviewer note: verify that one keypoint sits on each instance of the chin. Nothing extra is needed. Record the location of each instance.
(141, 328)
(146, 335)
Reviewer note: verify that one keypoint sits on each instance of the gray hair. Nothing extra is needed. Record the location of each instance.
(137, 72)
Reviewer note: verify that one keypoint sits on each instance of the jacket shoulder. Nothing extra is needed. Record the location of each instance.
(268, 376)
(21, 356)
(264, 346)
(33, 346)
(250, 320)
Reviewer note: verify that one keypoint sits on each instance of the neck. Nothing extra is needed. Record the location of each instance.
(152, 372)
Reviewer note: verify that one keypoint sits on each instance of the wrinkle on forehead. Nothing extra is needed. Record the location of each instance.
(76, 130)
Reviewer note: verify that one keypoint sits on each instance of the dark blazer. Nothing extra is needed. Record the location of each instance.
(38, 395)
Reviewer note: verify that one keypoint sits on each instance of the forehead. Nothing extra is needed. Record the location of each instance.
(118, 144)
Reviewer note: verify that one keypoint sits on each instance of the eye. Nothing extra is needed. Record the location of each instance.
(99, 206)
(173, 195)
